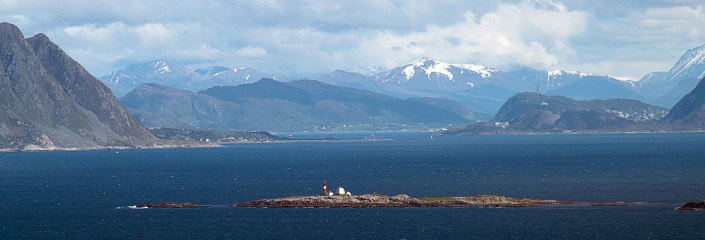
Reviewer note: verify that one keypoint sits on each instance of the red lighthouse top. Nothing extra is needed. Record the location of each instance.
(325, 190)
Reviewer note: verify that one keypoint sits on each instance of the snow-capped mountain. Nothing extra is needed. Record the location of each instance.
(431, 74)
(690, 65)
(480, 88)
(158, 71)
(427, 73)
(666, 88)
(177, 76)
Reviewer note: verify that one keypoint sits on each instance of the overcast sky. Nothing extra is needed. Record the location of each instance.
(300, 39)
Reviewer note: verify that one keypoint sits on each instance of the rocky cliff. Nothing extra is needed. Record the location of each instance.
(48, 100)
(689, 113)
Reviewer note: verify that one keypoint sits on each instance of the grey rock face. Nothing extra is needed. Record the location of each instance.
(689, 112)
(48, 100)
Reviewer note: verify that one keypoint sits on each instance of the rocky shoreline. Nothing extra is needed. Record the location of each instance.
(405, 201)
(163, 145)
(173, 145)
(402, 200)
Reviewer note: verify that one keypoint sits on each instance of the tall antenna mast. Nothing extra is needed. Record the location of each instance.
(537, 89)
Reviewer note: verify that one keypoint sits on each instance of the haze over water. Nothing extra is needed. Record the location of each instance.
(75, 194)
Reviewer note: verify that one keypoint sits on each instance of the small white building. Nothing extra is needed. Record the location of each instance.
(341, 191)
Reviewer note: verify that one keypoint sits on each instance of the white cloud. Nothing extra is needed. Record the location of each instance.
(101, 46)
(685, 22)
(525, 34)
(641, 41)
(94, 34)
(16, 19)
(251, 52)
(156, 35)
(656, 25)
(301, 38)
(624, 69)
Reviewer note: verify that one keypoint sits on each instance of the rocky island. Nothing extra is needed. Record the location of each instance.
(402, 200)
(693, 205)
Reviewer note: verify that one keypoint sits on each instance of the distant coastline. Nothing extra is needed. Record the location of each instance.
(218, 144)
(459, 132)
(34, 148)
(184, 144)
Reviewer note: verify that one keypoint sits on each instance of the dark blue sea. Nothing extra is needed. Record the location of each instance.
(79, 195)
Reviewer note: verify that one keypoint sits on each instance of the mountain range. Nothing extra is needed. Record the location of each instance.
(289, 106)
(48, 100)
(479, 88)
(177, 76)
(485, 89)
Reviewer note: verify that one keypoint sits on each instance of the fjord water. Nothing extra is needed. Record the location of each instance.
(46, 195)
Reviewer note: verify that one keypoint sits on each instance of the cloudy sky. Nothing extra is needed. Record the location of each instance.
(302, 38)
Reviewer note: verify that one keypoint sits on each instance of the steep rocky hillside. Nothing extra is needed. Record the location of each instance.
(48, 100)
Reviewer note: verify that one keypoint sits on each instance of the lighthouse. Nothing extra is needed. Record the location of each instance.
(325, 190)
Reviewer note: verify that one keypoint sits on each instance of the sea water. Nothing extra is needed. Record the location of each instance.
(45, 195)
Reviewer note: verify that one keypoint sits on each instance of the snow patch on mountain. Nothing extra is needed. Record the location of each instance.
(115, 77)
(558, 73)
(484, 72)
(555, 73)
(409, 72)
(165, 69)
(623, 79)
(440, 68)
(162, 67)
